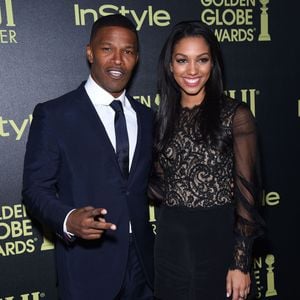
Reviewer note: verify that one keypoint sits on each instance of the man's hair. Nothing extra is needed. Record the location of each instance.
(112, 20)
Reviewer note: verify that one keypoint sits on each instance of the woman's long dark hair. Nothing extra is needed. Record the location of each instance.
(170, 93)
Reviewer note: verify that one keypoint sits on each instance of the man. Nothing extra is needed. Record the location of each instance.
(81, 179)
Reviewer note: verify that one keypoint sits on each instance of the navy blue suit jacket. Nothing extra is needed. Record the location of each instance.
(70, 163)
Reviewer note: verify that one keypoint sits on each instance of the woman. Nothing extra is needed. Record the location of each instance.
(205, 174)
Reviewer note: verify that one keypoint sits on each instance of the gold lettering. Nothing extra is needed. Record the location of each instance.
(9, 13)
(159, 17)
(146, 100)
(152, 213)
(2, 123)
(250, 100)
(247, 95)
(257, 262)
(7, 36)
(16, 211)
(34, 296)
(271, 198)
(18, 131)
(226, 3)
(227, 17)
(138, 21)
(6, 229)
(76, 13)
(109, 6)
(16, 229)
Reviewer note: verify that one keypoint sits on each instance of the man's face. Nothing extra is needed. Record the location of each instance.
(113, 55)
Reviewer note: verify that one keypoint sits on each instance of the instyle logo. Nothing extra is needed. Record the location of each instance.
(147, 17)
(14, 129)
(237, 20)
(7, 21)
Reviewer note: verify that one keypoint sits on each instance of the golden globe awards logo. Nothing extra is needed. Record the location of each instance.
(148, 17)
(237, 20)
(15, 231)
(264, 271)
(7, 22)
(17, 235)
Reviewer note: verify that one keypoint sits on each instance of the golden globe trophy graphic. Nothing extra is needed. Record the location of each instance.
(271, 291)
(9, 14)
(264, 22)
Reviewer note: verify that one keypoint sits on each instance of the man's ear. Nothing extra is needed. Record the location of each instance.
(89, 54)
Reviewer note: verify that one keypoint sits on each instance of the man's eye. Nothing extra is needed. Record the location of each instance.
(128, 51)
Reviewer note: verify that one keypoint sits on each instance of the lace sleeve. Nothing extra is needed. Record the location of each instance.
(248, 223)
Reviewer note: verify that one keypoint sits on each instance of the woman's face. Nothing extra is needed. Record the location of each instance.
(191, 67)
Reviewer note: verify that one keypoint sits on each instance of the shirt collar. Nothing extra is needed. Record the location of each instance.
(99, 96)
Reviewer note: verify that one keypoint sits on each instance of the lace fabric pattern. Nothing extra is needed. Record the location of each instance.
(196, 175)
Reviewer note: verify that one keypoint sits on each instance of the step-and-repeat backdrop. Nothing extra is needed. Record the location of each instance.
(42, 55)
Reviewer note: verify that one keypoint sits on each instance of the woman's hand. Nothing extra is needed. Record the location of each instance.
(237, 284)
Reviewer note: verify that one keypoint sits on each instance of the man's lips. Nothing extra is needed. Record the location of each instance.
(116, 73)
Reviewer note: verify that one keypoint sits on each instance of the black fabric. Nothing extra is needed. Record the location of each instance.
(193, 252)
(135, 285)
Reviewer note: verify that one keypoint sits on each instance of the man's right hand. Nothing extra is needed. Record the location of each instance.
(88, 223)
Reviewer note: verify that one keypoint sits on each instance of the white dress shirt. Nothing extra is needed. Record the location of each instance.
(101, 100)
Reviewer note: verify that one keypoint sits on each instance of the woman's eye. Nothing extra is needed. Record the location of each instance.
(204, 60)
(181, 60)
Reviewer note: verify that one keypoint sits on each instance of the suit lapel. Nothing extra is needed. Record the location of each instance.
(89, 113)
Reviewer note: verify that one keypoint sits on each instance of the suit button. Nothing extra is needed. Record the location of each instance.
(127, 193)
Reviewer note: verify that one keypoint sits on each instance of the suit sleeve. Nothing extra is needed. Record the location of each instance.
(41, 171)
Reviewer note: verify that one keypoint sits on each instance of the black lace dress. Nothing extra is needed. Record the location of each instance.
(207, 220)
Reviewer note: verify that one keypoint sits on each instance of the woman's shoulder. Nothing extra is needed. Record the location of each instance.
(231, 107)
(235, 111)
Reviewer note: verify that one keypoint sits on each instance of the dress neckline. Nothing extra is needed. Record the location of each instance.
(190, 109)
